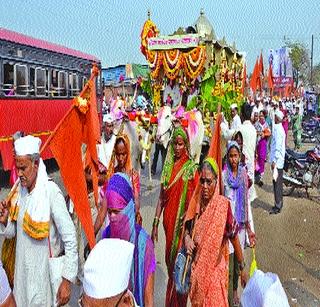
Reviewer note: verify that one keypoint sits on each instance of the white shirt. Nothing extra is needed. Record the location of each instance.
(105, 150)
(31, 276)
(278, 146)
(249, 135)
(235, 123)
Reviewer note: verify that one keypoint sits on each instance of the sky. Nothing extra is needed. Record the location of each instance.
(110, 29)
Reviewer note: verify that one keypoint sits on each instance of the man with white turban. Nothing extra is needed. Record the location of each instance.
(277, 155)
(236, 121)
(108, 140)
(107, 274)
(43, 228)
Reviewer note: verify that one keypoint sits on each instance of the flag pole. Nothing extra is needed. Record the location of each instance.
(95, 71)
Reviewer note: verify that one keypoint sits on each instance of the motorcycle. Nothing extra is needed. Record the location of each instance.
(301, 170)
(311, 131)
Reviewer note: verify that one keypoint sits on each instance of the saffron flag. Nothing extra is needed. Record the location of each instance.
(79, 127)
(270, 79)
(261, 67)
(261, 72)
(254, 77)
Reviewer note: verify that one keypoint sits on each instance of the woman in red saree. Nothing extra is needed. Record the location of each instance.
(177, 184)
(210, 216)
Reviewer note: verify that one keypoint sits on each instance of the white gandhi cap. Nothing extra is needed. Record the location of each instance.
(27, 145)
(107, 269)
(108, 118)
(233, 106)
(279, 114)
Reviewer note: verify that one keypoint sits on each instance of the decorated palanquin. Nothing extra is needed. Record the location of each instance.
(205, 70)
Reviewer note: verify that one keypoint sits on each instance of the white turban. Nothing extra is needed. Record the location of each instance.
(107, 269)
(279, 114)
(233, 106)
(27, 145)
(108, 118)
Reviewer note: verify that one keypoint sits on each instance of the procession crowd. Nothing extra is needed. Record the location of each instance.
(205, 209)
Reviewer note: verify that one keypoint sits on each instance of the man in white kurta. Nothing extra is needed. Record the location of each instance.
(31, 276)
(108, 140)
(236, 121)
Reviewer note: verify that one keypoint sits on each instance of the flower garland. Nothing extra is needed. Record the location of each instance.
(149, 29)
(155, 59)
(172, 62)
(194, 61)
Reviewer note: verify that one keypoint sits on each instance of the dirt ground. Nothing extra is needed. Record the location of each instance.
(287, 244)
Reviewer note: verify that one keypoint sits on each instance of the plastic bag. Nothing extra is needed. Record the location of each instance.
(264, 290)
(253, 266)
(275, 174)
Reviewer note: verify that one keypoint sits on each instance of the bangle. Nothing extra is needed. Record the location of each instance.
(156, 221)
(242, 265)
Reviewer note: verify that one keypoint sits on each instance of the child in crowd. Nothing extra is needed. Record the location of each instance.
(236, 184)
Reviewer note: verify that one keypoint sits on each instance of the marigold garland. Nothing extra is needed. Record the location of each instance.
(149, 29)
(194, 61)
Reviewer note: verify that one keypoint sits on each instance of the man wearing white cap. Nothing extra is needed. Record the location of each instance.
(43, 228)
(108, 140)
(107, 274)
(277, 155)
(236, 121)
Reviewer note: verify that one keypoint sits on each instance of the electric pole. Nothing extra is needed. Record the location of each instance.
(311, 62)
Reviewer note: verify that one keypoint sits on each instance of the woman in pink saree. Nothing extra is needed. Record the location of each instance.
(210, 216)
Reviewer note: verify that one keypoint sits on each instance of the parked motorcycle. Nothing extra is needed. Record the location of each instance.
(301, 170)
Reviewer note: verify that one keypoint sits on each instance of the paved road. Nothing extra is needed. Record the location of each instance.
(288, 243)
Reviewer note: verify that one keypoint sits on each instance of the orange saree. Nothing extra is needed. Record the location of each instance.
(209, 274)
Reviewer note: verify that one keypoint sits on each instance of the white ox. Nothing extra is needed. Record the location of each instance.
(195, 130)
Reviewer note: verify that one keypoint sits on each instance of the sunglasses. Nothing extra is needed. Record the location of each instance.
(206, 180)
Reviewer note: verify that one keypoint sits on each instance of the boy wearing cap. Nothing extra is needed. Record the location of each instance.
(277, 155)
(43, 228)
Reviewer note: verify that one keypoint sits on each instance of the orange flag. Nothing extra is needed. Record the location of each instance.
(270, 79)
(261, 72)
(261, 67)
(254, 77)
(79, 126)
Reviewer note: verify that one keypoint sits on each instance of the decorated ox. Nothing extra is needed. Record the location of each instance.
(195, 128)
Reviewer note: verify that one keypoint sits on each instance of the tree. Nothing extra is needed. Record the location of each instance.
(299, 55)
(316, 75)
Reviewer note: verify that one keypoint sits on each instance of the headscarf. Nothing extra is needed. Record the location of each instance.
(239, 184)
(169, 162)
(213, 164)
(119, 195)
